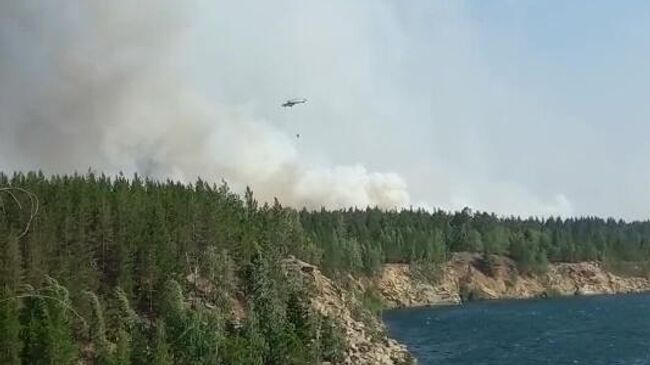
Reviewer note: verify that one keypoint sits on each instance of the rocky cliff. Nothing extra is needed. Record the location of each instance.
(470, 277)
(464, 277)
(367, 342)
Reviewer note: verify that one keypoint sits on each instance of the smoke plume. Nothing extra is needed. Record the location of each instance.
(95, 84)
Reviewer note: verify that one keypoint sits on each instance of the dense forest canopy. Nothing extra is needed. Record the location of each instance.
(138, 272)
(356, 239)
(108, 270)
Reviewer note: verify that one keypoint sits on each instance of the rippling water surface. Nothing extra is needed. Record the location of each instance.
(598, 330)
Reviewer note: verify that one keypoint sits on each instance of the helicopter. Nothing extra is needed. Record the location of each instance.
(291, 102)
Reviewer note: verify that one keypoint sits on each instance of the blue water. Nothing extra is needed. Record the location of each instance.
(598, 330)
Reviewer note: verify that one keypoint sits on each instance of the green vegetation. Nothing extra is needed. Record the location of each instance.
(421, 238)
(133, 271)
(140, 272)
(371, 300)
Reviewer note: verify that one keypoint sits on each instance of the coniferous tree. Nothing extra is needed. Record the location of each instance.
(10, 328)
(161, 351)
(103, 348)
(332, 341)
(47, 333)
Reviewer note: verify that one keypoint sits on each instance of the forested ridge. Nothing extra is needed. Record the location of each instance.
(107, 271)
(361, 240)
(102, 276)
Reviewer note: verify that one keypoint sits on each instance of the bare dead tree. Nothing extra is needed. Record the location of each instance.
(12, 192)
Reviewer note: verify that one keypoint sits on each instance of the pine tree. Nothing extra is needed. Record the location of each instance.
(161, 351)
(10, 263)
(106, 252)
(219, 269)
(301, 328)
(267, 306)
(125, 321)
(34, 335)
(48, 334)
(10, 328)
(332, 342)
(103, 348)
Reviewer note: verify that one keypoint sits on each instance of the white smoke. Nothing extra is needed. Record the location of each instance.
(94, 84)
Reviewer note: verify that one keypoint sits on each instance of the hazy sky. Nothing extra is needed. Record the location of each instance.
(518, 107)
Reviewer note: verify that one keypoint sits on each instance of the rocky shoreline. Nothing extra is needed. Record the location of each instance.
(464, 277)
(367, 341)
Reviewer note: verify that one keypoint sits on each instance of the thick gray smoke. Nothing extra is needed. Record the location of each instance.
(95, 84)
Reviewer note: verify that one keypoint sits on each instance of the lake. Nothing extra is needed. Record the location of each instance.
(594, 330)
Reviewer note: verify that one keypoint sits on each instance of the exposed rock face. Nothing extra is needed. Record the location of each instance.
(464, 276)
(590, 278)
(400, 289)
(366, 343)
(467, 275)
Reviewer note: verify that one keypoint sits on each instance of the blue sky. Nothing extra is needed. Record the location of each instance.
(586, 62)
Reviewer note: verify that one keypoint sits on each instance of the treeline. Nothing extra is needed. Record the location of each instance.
(134, 271)
(361, 240)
